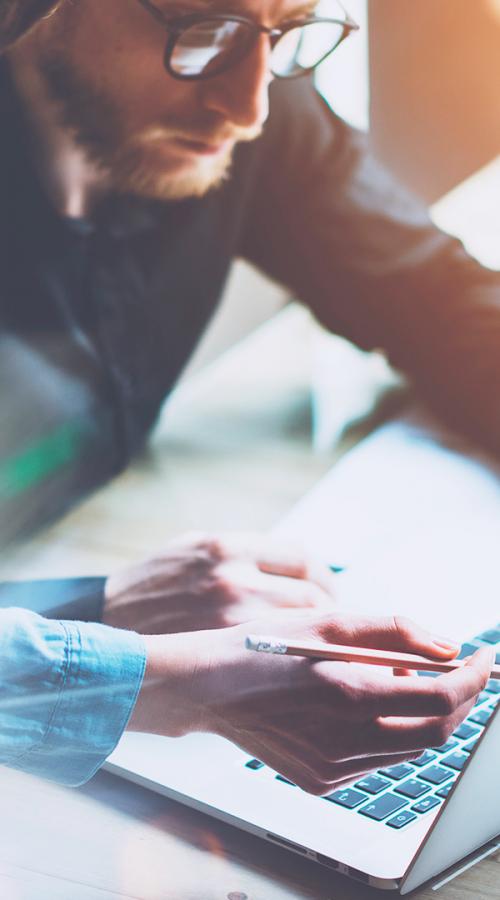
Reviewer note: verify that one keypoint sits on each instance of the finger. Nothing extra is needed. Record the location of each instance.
(274, 556)
(385, 633)
(359, 693)
(271, 554)
(284, 592)
(277, 557)
(321, 777)
(294, 564)
(275, 756)
(455, 692)
(328, 761)
(346, 771)
(401, 735)
(247, 582)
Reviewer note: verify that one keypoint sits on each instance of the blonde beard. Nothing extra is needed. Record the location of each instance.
(132, 172)
(140, 168)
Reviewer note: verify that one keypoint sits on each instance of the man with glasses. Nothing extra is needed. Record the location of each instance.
(144, 146)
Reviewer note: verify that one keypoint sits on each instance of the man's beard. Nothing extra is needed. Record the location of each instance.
(137, 165)
(137, 169)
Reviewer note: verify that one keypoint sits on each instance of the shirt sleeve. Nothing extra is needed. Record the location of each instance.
(67, 691)
(327, 220)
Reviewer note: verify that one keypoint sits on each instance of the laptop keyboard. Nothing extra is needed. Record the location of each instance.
(401, 794)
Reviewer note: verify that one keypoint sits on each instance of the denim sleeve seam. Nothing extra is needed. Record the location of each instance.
(63, 676)
(128, 713)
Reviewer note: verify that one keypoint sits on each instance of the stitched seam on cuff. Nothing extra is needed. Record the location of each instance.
(63, 679)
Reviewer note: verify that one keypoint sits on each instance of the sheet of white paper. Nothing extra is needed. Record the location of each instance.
(416, 522)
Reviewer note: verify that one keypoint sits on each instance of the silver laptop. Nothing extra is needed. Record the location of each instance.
(401, 826)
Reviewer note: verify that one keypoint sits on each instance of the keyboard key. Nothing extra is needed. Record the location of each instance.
(426, 804)
(444, 791)
(435, 774)
(444, 748)
(397, 772)
(467, 650)
(465, 731)
(455, 761)
(427, 757)
(285, 780)
(471, 746)
(493, 686)
(492, 636)
(254, 764)
(348, 798)
(483, 696)
(412, 788)
(383, 807)
(373, 784)
(402, 819)
(481, 716)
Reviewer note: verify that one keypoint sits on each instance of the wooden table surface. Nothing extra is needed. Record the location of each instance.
(233, 451)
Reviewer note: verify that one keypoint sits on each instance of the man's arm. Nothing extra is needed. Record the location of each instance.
(67, 692)
(328, 221)
(199, 582)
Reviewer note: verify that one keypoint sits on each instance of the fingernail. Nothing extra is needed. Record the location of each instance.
(446, 644)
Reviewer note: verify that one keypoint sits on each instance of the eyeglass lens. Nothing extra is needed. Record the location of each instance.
(212, 46)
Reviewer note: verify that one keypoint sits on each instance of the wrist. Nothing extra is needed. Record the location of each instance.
(172, 700)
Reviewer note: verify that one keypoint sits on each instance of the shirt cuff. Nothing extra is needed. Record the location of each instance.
(99, 682)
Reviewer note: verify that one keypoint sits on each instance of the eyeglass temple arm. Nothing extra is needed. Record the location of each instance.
(154, 11)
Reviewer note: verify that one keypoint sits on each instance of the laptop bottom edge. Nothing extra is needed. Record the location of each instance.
(386, 884)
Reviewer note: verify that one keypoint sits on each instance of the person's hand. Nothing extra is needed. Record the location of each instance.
(204, 582)
(18, 16)
(320, 724)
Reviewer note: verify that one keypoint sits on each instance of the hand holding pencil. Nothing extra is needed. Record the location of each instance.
(322, 723)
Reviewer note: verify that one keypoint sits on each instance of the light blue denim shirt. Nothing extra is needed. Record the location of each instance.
(67, 690)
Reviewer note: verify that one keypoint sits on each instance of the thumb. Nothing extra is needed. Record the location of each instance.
(386, 633)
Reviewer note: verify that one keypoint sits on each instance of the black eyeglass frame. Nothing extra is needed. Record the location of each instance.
(177, 25)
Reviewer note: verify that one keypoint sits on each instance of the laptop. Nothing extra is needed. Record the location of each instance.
(407, 500)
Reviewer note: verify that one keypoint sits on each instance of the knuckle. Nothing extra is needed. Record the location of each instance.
(213, 547)
(445, 700)
(439, 732)
(404, 627)
(208, 547)
(223, 587)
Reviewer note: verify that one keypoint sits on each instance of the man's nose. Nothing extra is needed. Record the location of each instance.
(240, 95)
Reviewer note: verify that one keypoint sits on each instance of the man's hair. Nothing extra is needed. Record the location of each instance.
(17, 17)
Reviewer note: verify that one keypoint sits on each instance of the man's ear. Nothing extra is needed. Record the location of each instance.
(17, 17)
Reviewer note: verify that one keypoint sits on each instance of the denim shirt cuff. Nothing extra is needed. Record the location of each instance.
(99, 681)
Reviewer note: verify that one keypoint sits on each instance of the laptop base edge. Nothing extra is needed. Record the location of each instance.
(385, 884)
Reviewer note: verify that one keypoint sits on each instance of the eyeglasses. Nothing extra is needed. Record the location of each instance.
(201, 46)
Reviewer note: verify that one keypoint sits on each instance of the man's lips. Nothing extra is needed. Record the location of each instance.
(203, 148)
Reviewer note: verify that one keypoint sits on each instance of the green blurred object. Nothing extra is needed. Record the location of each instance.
(39, 461)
